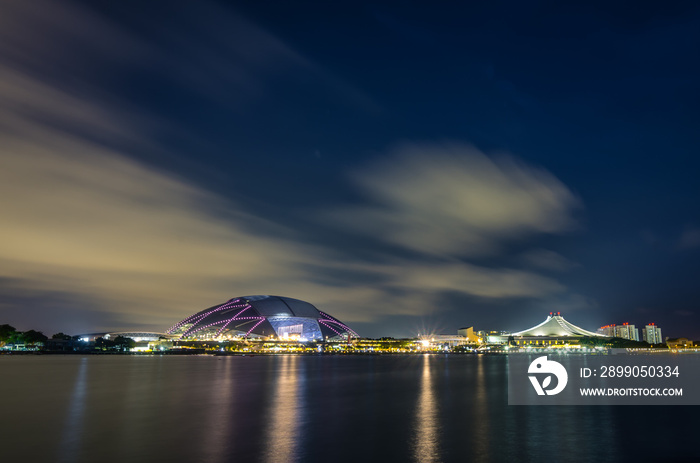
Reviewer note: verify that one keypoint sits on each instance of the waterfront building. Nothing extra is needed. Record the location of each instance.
(652, 334)
(555, 332)
(138, 336)
(468, 333)
(493, 337)
(678, 343)
(443, 340)
(266, 317)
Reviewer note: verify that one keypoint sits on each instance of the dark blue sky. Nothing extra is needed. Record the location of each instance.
(403, 167)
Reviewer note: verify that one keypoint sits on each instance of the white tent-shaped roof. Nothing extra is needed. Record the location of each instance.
(555, 326)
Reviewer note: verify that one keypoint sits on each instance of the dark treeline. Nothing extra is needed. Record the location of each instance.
(60, 341)
(9, 335)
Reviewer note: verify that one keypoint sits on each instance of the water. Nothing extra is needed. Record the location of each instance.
(289, 408)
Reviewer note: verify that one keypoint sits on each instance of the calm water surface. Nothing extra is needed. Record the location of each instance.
(310, 408)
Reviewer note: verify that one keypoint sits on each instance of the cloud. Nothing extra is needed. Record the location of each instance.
(471, 279)
(411, 287)
(81, 218)
(204, 52)
(547, 260)
(451, 199)
(84, 220)
(87, 228)
(226, 58)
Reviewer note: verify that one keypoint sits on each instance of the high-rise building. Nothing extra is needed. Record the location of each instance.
(607, 330)
(624, 331)
(652, 334)
(627, 331)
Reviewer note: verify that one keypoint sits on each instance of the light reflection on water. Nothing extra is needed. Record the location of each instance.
(73, 427)
(430, 408)
(427, 426)
(286, 415)
(480, 415)
(216, 439)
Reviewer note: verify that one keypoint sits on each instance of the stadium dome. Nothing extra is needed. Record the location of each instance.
(555, 325)
(262, 316)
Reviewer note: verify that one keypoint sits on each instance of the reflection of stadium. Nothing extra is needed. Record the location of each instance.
(271, 317)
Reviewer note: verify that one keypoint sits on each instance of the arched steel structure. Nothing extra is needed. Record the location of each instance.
(262, 316)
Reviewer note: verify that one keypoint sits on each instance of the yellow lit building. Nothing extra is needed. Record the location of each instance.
(676, 343)
(468, 333)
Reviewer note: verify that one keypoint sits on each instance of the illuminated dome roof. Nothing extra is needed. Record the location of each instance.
(555, 326)
(262, 316)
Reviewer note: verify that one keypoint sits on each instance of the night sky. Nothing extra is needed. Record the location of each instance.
(406, 167)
